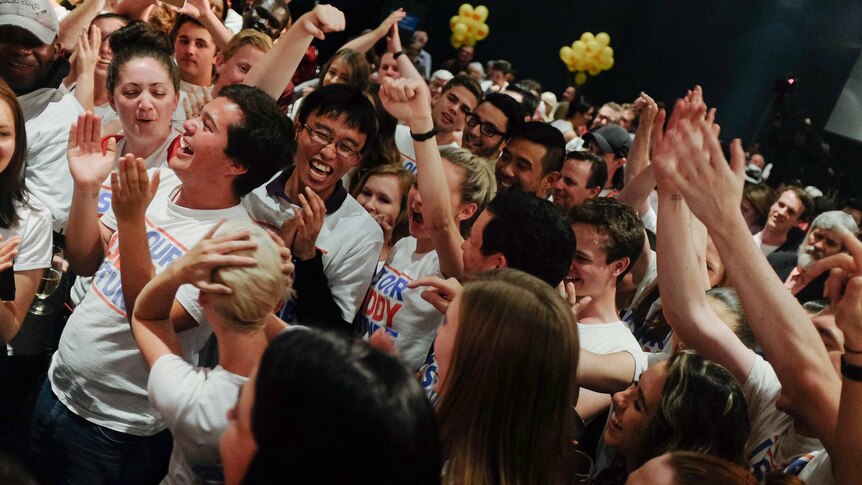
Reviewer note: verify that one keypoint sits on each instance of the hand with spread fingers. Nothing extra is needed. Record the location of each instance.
(196, 267)
(88, 164)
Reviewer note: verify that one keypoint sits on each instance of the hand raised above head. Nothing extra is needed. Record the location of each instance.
(406, 99)
(322, 20)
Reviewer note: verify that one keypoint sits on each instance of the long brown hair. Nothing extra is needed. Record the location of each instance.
(12, 188)
(512, 383)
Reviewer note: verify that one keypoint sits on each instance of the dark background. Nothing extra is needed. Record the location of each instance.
(735, 49)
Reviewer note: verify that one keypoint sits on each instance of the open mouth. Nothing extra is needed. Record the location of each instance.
(614, 423)
(185, 148)
(319, 170)
(416, 217)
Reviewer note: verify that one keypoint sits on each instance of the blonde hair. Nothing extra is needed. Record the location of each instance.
(246, 37)
(478, 185)
(515, 356)
(256, 289)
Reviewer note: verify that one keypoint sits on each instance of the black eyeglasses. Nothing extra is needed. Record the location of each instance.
(344, 149)
(485, 128)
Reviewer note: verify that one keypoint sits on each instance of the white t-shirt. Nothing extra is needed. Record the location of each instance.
(97, 371)
(818, 470)
(411, 321)
(773, 440)
(194, 403)
(156, 159)
(49, 113)
(350, 239)
(563, 125)
(233, 21)
(766, 249)
(404, 142)
(34, 252)
(607, 338)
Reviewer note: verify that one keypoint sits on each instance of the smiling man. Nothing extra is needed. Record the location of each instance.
(780, 232)
(459, 96)
(31, 65)
(531, 160)
(335, 242)
(93, 421)
(488, 128)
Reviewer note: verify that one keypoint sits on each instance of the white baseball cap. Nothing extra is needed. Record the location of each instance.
(35, 16)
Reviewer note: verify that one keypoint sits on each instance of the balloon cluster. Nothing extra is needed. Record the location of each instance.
(590, 53)
(469, 25)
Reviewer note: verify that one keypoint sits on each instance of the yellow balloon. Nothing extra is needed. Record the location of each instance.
(455, 42)
(482, 31)
(592, 47)
(594, 70)
(460, 29)
(459, 36)
(465, 10)
(580, 78)
(566, 54)
(603, 39)
(454, 20)
(470, 41)
(578, 47)
(606, 54)
(482, 12)
(578, 63)
(608, 64)
(587, 36)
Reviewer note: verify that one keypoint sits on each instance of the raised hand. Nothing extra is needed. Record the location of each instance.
(87, 51)
(322, 20)
(393, 40)
(132, 190)
(844, 288)
(645, 109)
(712, 187)
(309, 222)
(8, 251)
(193, 8)
(196, 267)
(195, 99)
(88, 164)
(439, 293)
(407, 99)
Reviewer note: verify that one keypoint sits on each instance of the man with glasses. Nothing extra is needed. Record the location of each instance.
(488, 128)
(335, 243)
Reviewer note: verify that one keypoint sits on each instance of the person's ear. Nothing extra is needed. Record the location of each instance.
(548, 183)
(297, 127)
(620, 161)
(619, 266)
(219, 62)
(595, 191)
(236, 168)
(466, 211)
(500, 261)
(111, 100)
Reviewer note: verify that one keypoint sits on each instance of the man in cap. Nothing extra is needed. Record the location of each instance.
(611, 143)
(31, 65)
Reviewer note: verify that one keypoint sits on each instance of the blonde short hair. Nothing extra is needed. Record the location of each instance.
(256, 289)
(246, 37)
(478, 185)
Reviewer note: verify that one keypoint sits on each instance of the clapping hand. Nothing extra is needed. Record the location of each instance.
(88, 164)
(132, 190)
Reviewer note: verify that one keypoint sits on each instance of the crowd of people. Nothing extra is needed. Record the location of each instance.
(276, 268)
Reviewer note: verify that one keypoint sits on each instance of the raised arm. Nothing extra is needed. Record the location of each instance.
(85, 235)
(77, 21)
(605, 373)
(274, 71)
(201, 11)
(151, 321)
(367, 40)
(709, 184)
(83, 67)
(132, 191)
(409, 99)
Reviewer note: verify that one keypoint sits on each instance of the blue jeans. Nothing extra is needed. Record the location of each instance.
(66, 448)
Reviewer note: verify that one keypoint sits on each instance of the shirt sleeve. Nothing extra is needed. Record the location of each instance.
(169, 385)
(34, 252)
